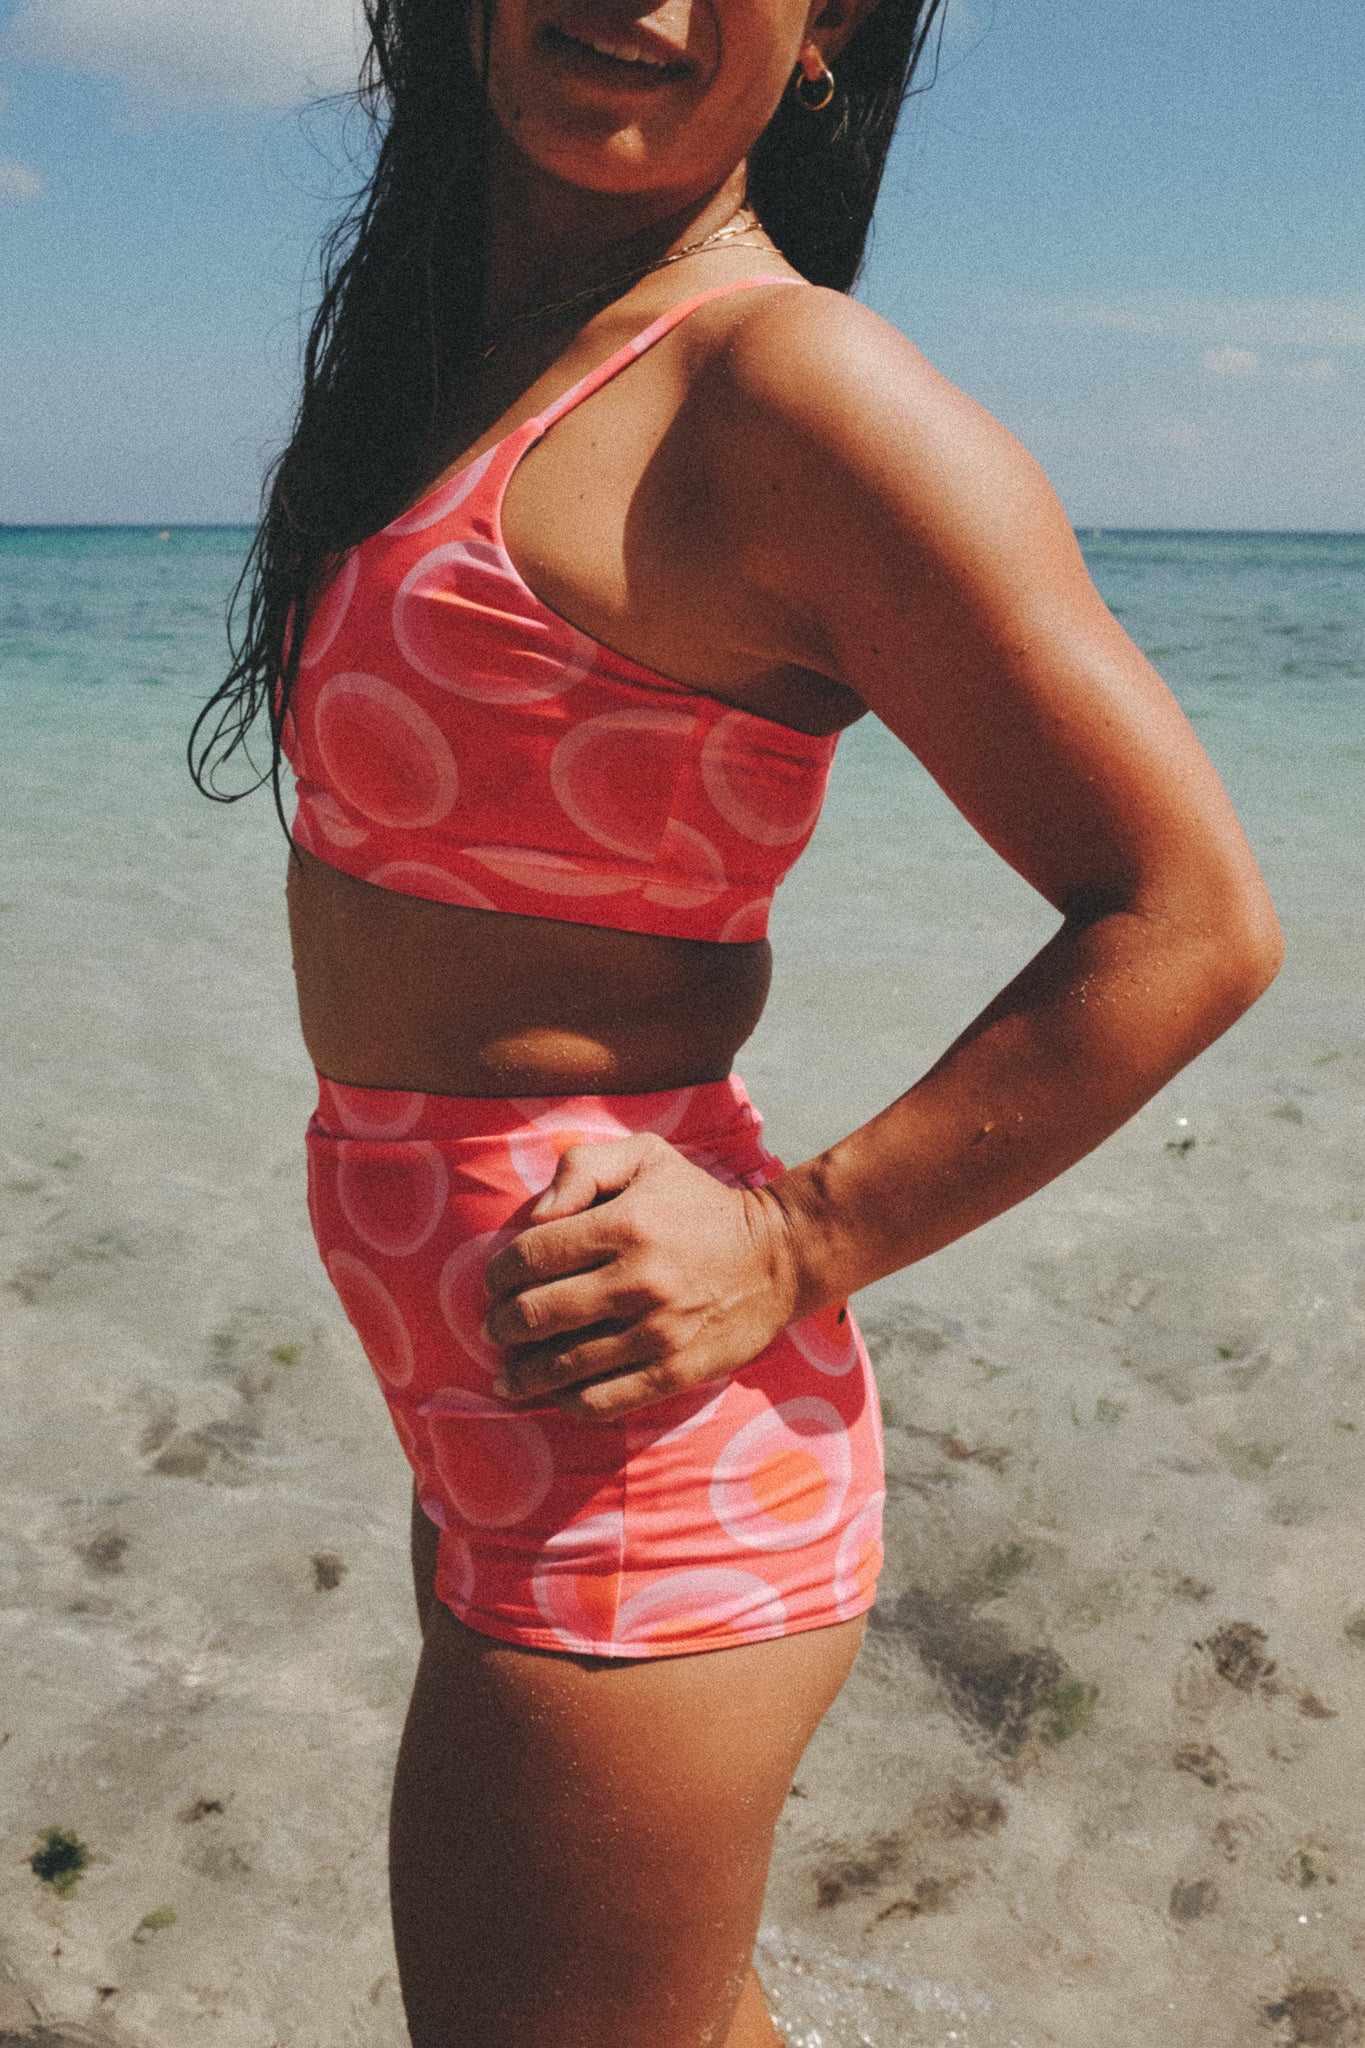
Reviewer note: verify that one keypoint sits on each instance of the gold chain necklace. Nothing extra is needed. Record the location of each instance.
(747, 222)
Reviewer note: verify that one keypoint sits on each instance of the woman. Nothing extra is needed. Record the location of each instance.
(599, 523)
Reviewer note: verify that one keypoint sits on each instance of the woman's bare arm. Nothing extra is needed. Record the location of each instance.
(932, 570)
(900, 541)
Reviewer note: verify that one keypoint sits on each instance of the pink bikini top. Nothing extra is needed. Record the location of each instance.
(453, 737)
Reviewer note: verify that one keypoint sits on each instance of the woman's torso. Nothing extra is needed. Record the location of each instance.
(608, 519)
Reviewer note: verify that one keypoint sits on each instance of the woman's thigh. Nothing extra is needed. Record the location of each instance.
(579, 1847)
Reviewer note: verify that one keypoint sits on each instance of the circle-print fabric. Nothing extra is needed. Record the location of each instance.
(392, 1198)
(383, 755)
(376, 1317)
(329, 615)
(456, 738)
(701, 1604)
(495, 1465)
(781, 1480)
(442, 615)
(745, 1507)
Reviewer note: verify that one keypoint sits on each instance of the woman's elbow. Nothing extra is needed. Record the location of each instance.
(1264, 951)
(1244, 945)
(1214, 923)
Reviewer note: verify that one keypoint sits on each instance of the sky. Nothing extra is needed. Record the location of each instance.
(1133, 229)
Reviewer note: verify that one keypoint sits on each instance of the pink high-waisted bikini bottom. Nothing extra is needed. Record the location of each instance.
(747, 1509)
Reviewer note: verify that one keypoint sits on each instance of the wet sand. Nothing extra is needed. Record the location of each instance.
(1095, 1781)
(1092, 1780)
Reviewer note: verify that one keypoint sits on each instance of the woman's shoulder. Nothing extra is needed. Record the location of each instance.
(813, 379)
(816, 340)
(852, 485)
(816, 356)
(822, 429)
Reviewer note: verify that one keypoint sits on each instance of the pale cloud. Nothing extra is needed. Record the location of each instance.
(240, 54)
(18, 182)
(1320, 371)
(1228, 323)
(1231, 362)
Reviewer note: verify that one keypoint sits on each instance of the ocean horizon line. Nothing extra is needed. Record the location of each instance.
(1084, 529)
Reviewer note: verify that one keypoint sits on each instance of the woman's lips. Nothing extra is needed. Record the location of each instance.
(632, 60)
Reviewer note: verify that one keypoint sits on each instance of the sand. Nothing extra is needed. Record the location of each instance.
(1093, 1779)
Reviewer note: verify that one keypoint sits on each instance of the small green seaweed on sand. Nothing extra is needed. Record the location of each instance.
(285, 1354)
(153, 1923)
(1353, 1628)
(988, 1369)
(1006, 1563)
(1109, 1411)
(1249, 1460)
(1097, 1601)
(59, 1858)
(1066, 1709)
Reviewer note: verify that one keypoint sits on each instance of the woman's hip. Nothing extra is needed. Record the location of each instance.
(748, 1508)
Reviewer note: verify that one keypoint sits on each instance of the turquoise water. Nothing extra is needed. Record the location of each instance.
(144, 924)
(110, 637)
(1151, 1378)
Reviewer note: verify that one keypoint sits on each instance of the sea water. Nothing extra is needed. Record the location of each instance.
(1086, 1782)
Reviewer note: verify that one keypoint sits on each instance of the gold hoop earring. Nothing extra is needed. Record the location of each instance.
(815, 94)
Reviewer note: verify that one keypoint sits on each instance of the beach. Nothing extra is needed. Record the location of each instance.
(1095, 1777)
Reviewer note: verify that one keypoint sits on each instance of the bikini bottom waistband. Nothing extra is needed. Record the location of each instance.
(709, 1113)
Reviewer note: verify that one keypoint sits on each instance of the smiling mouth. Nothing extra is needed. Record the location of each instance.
(609, 55)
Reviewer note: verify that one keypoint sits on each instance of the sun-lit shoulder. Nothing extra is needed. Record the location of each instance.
(803, 353)
(825, 372)
(825, 413)
(856, 484)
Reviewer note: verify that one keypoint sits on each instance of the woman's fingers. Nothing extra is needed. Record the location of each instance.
(549, 1369)
(586, 1173)
(602, 1378)
(568, 1234)
(550, 1251)
(625, 1393)
(539, 1314)
(661, 1278)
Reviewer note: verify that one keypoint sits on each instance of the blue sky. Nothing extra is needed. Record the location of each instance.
(1135, 229)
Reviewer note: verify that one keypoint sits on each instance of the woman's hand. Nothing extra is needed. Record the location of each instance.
(641, 1276)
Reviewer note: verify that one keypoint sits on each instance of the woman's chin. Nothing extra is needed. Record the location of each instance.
(592, 156)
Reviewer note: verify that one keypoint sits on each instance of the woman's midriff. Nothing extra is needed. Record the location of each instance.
(398, 992)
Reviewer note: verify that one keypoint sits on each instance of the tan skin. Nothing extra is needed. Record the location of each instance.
(579, 1848)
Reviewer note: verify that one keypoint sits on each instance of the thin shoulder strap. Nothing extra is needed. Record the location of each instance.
(665, 324)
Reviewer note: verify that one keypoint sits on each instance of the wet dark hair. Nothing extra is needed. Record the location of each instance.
(401, 296)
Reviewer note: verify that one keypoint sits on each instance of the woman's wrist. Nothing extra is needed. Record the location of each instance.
(811, 1257)
(1088, 1031)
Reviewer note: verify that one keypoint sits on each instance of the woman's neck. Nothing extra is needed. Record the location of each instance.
(547, 239)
